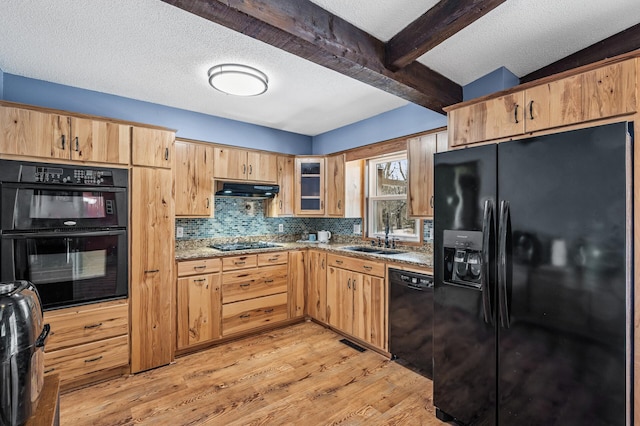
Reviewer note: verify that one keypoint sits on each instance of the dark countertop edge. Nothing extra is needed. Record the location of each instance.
(206, 253)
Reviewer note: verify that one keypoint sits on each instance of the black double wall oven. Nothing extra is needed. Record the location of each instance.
(64, 228)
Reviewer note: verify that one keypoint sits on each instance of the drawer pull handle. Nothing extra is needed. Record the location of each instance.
(98, 358)
(166, 154)
(268, 281)
(268, 311)
(243, 316)
(273, 259)
(349, 283)
(77, 145)
(199, 267)
(339, 262)
(93, 326)
(49, 370)
(239, 262)
(63, 142)
(367, 267)
(201, 280)
(245, 285)
(515, 113)
(151, 271)
(531, 110)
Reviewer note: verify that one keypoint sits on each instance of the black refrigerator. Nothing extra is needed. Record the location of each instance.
(532, 268)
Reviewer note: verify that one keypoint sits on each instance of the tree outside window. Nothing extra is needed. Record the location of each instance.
(387, 199)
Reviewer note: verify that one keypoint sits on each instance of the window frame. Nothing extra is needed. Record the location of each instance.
(371, 177)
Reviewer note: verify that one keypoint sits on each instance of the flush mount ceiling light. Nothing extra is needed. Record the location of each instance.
(239, 80)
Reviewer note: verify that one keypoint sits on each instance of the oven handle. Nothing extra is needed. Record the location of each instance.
(62, 187)
(49, 234)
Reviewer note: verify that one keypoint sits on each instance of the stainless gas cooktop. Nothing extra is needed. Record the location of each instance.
(244, 246)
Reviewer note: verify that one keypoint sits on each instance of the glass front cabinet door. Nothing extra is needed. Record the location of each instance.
(310, 186)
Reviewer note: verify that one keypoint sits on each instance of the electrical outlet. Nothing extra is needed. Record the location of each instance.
(357, 229)
(280, 227)
(179, 232)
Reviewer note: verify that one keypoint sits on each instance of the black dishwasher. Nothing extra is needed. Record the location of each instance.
(411, 320)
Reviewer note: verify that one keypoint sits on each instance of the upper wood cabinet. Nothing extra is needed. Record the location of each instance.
(309, 186)
(602, 92)
(282, 204)
(152, 259)
(152, 147)
(420, 151)
(32, 133)
(239, 164)
(491, 119)
(335, 185)
(193, 174)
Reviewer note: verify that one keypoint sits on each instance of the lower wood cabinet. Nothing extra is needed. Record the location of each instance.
(254, 291)
(297, 279)
(198, 302)
(356, 300)
(86, 341)
(316, 303)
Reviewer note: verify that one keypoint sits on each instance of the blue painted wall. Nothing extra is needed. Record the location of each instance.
(495, 81)
(1, 84)
(399, 122)
(188, 124)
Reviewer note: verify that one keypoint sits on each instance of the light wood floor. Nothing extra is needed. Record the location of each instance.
(299, 375)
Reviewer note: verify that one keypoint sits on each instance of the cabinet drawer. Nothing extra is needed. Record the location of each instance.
(256, 282)
(369, 267)
(75, 326)
(239, 262)
(248, 314)
(276, 258)
(77, 361)
(200, 266)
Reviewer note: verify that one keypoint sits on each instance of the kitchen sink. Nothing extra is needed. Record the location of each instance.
(372, 250)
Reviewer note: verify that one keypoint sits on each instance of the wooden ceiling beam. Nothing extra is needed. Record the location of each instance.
(436, 25)
(622, 42)
(304, 29)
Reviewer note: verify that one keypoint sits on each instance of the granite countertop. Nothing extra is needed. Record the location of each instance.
(420, 259)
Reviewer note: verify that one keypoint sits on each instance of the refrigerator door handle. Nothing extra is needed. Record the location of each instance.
(503, 231)
(487, 246)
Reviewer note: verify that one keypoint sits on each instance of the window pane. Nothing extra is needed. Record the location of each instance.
(310, 186)
(399, 224)
(391, 177)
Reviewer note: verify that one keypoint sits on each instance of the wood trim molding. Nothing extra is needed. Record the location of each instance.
(385, 147)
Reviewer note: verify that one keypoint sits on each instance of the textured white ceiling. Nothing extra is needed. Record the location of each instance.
(151, 51)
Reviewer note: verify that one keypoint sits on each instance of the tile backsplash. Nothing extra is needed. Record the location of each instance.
(240, 217)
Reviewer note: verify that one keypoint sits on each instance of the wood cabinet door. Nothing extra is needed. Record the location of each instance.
(152, 147)
(505, 116)
(335, 185)
(420, 151)
(317, 285)
(610, 90)
(99, 141)
(194, 179)
(198, 309)
(262, 167)
(554, 104)
(230, 163)
(152, 260)
(296, 279)
(309, 186)
(369, 322)
(33, 133)
(340, 299)
(283, 202)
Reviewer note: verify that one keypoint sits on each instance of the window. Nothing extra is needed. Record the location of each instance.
(387, 199)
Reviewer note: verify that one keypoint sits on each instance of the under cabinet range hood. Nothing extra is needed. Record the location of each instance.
(247, 190)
